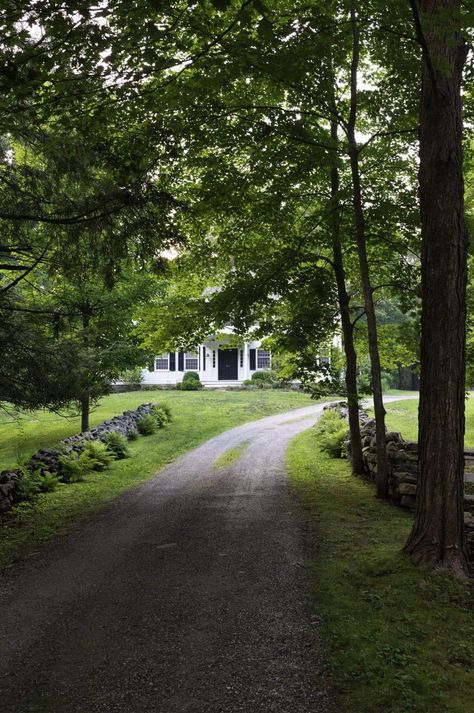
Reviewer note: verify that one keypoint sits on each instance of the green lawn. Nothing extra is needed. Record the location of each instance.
(230, 456)
(403, 417)
(398, 639)
(197, 416)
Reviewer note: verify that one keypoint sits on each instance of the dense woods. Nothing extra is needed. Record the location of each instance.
(306, 157)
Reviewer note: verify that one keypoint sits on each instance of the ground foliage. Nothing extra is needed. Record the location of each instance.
(397, 638)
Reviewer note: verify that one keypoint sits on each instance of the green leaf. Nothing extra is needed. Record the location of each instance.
(221, 5)
(260, 7)
(265, 29)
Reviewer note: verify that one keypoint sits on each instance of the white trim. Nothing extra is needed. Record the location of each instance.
(267, 354)
(188, 356)
(246, 361)
(211, 375)
(163, 357)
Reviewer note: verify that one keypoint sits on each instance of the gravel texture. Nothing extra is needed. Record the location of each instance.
(189, 594)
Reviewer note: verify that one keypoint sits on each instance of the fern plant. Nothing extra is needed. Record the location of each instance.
(117, 444)
(28, 485)
(74, 466)
(147, 425)
(331, 433)
(160, 416)
(167, 410)
(49, 482)
(98, 454)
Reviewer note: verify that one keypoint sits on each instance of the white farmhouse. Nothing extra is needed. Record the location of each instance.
(217, 362)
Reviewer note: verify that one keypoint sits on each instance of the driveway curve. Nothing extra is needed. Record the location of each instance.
(188, 594)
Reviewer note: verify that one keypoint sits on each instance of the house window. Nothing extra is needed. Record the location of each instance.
(191, 361)
(263, 359)
(162, 362)
(324, 361)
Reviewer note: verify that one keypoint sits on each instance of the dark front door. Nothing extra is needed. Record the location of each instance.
(228, 364)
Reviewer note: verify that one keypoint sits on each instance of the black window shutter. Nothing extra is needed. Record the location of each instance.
(172, 361)
(253, 355)
(151, 365)
(204, 358)
(180, 361)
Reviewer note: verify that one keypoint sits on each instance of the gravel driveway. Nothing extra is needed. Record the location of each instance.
(188, 594)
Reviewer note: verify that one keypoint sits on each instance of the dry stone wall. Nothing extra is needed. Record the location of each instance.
(402, 459)
(46, 460)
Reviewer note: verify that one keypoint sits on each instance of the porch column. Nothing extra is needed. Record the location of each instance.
(200, 363)
(246, 360)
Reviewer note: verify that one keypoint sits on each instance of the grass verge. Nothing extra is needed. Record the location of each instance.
(398, 639)
(197, 416)
(230, 456)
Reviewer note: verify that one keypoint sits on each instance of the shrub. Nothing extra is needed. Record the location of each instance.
(249, 385)
(74, 466)
(167, 410)
(28, 485)
(190, 382)
(133, 435)
(100, 457)
(147, 425)
(49, 482)
(189, 386)
(117, 444)
(31, 484)
(333, 443)
(132, 377)
(265, 379)
(329, 422)
(331, 432)
(160, 416)
(191, 376)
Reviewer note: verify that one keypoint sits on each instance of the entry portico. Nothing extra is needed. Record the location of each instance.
(217, 361)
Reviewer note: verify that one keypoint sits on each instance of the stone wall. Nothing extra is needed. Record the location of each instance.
(46, 460)
(402, 459)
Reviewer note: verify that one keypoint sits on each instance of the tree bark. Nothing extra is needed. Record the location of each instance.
(84, 400)
(379, 410)
(438, 536)
(346, 322)
(85, 409)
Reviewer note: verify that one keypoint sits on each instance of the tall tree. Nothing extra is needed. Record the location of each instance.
(438, 536)
(347, 322)
(360, 228)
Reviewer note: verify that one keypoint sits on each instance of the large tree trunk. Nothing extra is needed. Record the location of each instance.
(85, 410)
(84, 400)
(346, 322)
(379, 410)
(437, 537)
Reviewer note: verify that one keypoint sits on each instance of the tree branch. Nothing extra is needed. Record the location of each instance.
(21, 277)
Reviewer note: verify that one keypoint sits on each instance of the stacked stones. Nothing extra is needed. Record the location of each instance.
(8, 487)
(46, 461)
(402, 459)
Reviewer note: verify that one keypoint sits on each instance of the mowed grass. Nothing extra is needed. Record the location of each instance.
(197, 416)
(402, 417)
(230, 456)
(194, 411)
(398, 639)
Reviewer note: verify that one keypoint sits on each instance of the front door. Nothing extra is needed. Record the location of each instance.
(228, 364)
